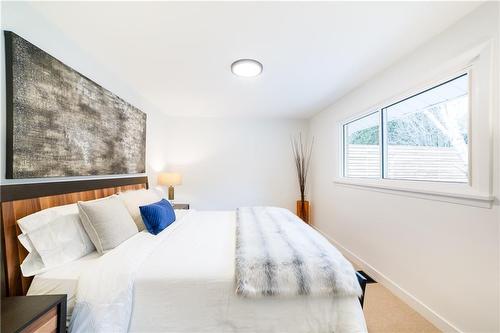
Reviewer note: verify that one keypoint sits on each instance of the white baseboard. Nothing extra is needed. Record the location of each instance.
(405, 296)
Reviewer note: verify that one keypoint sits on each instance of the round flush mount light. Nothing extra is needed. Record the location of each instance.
(246, 67)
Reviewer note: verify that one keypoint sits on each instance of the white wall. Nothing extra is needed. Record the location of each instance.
(225, 163)
(442, 258)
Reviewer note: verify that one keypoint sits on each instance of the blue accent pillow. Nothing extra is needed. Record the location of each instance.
(157, 216)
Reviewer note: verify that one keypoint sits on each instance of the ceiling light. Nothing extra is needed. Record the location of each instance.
(246, 67)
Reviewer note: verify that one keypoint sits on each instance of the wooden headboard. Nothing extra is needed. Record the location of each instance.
(21, 200)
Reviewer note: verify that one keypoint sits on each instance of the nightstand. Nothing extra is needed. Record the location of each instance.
(29, 314)
(180, 206)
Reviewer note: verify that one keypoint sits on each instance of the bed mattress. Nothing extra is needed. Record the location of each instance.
(187, 285)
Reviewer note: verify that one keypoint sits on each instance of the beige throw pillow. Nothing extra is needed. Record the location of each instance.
(107, 222)
(134, 199)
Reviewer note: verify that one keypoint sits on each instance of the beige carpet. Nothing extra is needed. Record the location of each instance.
(385, 313)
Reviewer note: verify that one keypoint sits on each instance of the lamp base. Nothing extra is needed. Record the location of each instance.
(171, 193)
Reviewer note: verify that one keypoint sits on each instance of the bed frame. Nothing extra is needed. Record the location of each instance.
(20, 200)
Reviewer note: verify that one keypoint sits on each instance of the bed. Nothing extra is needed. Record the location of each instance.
(187, 284)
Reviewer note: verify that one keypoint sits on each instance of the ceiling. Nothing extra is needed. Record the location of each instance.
(177, 55)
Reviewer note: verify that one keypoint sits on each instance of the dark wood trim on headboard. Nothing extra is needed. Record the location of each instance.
(34, 190)
(20, 200)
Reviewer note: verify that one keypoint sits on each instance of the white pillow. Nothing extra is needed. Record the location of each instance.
(61, 241)
(32, 265)
(43, 217)
(107, 222)
(25, 241)
(136, 198)
(53, 238)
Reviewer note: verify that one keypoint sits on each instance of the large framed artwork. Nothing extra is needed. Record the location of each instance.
(60, 123)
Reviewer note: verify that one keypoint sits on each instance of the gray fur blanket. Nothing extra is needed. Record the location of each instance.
(278, 254)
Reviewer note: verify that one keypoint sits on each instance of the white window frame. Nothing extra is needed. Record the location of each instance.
(478, 64)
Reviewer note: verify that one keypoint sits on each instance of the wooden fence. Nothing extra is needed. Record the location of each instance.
(407, 162)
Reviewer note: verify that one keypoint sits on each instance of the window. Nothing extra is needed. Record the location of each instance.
(424, 137)
(362, 147)
(436, 143)
(427, 134)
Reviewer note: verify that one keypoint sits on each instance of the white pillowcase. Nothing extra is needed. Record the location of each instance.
(43, 217)
(25, 241)
(61, 241)
(32, 264)
(52, 237)
(134, 199)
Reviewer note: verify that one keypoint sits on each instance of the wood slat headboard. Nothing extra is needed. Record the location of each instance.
(20, 200)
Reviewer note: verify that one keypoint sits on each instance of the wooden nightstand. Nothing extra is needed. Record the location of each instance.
(180, 206)
(29, 314)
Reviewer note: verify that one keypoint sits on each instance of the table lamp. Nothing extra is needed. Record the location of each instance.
(169, 179)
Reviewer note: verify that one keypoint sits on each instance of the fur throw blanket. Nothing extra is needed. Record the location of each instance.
(278, 254)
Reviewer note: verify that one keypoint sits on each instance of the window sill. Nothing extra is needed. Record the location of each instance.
(454, 193)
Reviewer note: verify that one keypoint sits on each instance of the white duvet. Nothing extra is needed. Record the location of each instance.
(182, 280)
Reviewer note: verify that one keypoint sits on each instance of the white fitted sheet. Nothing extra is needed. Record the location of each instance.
(62, 280)
(187, 285)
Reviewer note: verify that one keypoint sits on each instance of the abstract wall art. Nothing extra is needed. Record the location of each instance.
(60, 123)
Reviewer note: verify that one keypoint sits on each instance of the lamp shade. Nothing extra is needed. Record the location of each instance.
(169, 179)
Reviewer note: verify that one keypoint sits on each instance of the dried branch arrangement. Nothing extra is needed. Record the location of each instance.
(302, 156)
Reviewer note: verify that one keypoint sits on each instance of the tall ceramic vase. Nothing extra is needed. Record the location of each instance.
(303, 210)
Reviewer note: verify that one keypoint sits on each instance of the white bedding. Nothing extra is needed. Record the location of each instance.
(62, 280)
(186, 284)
